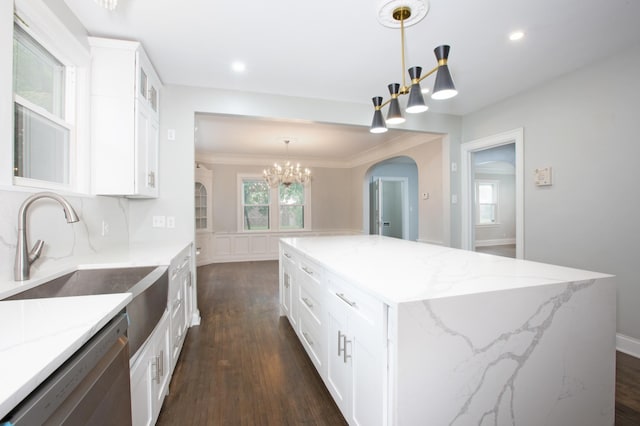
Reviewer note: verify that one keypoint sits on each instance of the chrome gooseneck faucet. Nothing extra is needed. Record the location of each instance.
(24, 257)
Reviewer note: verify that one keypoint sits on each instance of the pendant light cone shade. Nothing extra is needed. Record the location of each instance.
(416, 100)
(443, 88)
(394, 115)
(377, 125)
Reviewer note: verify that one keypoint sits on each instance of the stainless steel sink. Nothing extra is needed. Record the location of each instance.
(149, 286)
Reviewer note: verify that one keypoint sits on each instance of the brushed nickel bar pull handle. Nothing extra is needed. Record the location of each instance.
(307, 338)
(307, 270)
(161, 368)
(307, 302)
(287, 255)
(339, 341)
(347, 301)
(344, 353)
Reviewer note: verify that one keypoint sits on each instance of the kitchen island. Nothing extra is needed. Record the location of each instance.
(404, 333)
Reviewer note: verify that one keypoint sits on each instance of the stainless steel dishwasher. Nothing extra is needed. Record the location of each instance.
(90, 388)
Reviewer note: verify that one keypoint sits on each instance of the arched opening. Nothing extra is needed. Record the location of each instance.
(391, 198)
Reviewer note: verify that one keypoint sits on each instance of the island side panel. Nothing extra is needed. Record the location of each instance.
(535, 356)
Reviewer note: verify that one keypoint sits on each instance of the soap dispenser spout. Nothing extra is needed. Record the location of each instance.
(24, 256)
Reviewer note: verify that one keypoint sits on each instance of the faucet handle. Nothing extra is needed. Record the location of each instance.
(36, 250)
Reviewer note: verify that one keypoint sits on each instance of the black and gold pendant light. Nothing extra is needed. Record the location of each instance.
(401, 12)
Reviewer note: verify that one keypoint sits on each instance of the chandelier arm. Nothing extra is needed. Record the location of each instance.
(429, 73)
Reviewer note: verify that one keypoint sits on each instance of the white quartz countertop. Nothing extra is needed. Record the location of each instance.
(400, 271)
(38, 335)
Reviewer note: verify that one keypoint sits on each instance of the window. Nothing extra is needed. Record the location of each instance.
(285, 208)
(255, 204)
(42, 87)
(201, 206)
(291, 206)
(487, 202)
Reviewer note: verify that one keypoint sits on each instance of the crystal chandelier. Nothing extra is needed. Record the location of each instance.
(286, 174)
(108, 4)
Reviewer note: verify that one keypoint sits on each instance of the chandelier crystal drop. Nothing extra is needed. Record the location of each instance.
(287, 173)
(400, 14)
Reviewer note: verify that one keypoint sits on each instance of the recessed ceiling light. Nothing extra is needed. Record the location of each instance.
(238, 67)
(516, 35)
(425, 90)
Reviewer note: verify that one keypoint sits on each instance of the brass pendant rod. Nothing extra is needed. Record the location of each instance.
(403, 88)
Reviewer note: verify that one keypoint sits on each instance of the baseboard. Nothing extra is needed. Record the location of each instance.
(496, 242)
(628, 345)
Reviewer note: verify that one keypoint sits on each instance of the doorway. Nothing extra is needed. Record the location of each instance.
(389, 208)
(470, 191)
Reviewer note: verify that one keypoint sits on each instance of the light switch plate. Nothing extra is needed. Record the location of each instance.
(543, 176)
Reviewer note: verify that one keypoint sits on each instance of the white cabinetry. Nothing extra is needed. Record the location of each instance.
(181, 300)
(152, 366)
(150, 375)
(288, 287)
(356, 359)
(125, 92)
(344, 333)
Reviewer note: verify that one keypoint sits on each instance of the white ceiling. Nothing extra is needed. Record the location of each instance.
(337, 50)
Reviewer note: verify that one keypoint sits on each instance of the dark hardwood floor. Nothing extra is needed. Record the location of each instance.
(245, 366)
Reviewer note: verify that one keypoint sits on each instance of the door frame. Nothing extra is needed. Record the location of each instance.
(405, 202)
(515, 136)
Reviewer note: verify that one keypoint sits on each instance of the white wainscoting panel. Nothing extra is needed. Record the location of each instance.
(245, 246)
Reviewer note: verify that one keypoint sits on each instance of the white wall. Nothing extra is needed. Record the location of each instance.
(586, 125)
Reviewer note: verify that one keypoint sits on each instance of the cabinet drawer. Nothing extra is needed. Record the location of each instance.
(311, 337)
(288, 254)
(311, 270)
(311, 302)
(367, 310)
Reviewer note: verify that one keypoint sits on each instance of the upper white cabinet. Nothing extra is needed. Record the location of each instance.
(125, 97)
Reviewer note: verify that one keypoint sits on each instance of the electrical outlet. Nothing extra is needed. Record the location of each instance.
(171, 222)
(158, 221)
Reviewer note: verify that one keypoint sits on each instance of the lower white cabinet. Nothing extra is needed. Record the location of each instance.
(155, 361)
(180, 300)
(344, 333)
(288, 288)
(150, 375)
(357, 354)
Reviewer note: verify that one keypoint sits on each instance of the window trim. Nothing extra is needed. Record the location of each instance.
(274, 207)
(44, 26)
(496, 185)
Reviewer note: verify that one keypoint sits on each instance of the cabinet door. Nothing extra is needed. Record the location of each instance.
(338, 379)
(368, 372)
(161, 365)
(146, 163)
(142, 389)
(287, 295)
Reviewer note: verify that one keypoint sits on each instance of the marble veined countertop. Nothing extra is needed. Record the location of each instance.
(400, 271)
(39, 335)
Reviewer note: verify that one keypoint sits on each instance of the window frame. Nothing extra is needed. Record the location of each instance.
(274, 208)
(496, 197)
(46, 28)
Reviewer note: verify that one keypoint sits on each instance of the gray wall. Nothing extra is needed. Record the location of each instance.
(586, 125)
